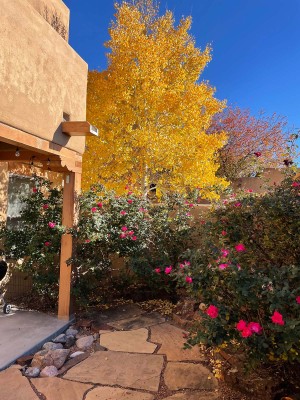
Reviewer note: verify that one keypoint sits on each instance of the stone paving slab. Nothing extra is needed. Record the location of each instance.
(194, 396)
(189, 376)
(108, 393)
(60, 389)
(137, 371)
(141, 321)
(129, 341)
(14, 386)
(172, 341)
(118, 313)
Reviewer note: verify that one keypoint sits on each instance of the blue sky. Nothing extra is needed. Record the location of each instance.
(256, 47)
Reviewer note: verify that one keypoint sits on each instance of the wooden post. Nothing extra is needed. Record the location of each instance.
(72, 183)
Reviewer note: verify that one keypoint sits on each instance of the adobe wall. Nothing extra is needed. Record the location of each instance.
(41, 76)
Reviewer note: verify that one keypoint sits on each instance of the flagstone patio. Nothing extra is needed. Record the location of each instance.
(146, 362)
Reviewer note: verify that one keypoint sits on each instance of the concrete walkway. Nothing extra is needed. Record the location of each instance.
(144, 360)
(24, 332)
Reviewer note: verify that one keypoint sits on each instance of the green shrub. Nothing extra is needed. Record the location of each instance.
(246, 272)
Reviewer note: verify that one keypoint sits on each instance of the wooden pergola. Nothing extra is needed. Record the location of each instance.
(69, 164)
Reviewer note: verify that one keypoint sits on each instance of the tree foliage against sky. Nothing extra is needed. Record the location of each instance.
(151, 110)
(253, 143)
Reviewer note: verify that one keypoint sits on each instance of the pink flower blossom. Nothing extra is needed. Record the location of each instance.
(246, 332)
(224, 252)
(134, 238)
(129, 201)
(34, 189)
(295, 184)
(188, 214)
(168, 270)
(45, 206)
(187, 263)
(123, 235)
(124, 228)
(249, 190)
(123, 212)
(255, 327)
(191, 205)
(240, 247)
(181, 266)
(241, 325)
(223, 233)
(238, 266)
(94, 209)
(223, 266)
(298, 299)
(87, 240)
(130, 233)
(51, 224)
(277, 318)
(225, 202)
(212, 311)
(47, 244)
(257, 153)
(129, 193)
(238, 204)
(141, 209)
(188, 279)
(100, 205)
(157, 270)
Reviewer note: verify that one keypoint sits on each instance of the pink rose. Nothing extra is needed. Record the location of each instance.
(34, 189)
(47, 244)
(240, 247)
(238, 204)
(191, 205)
(225, 202)
(124, 228)
(223, 233)
(130, 233)
(168, 270)
(188, 279)
(100, 205)
(123, 235)
(246, 332)
(134, 238)
(255, 327)
(212, 311)
(123, 212)
(129, 193)
(257, 153)
(45, 206)
(129, 201)
(298, 299)
(188, 214)
(249, 190)
(295, 184)
(187, 263)
(277, 318)
(224, 252)
(51, 224)
(241, 325)
(87, 240)
(94, 209)
(157, 270)
(223, 266)
(181, 266)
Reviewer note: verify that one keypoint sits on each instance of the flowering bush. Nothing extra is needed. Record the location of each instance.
(246, 272)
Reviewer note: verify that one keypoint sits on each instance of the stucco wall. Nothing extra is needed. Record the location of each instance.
(52, 10)
(41, 76)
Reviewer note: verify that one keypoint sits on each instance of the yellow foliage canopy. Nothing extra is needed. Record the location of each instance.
(150, 108)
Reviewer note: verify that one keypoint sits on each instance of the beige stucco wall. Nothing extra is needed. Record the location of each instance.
(41, 76)
(46, 8)
(269, 177)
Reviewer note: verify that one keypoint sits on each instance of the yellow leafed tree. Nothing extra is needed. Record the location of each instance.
(151, 110)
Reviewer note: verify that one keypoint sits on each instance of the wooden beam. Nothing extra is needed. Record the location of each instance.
(72, 183)
(79, 128)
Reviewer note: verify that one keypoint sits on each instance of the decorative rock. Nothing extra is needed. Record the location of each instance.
(98, 347)
(41, 359)
(70, 341)
(109, 393)
(137, 371)
(14, 386)
(71, 332)
(49, 372)
(96, 336)
(60, 389)
(32, 372)
(77, 353)
(60, 339)
(24, 360)
(73, 361)
(52, 346)
(85, 342)
(59, 357)
(172, 342)
(141, 321)
(130, 341)
(189, 376)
